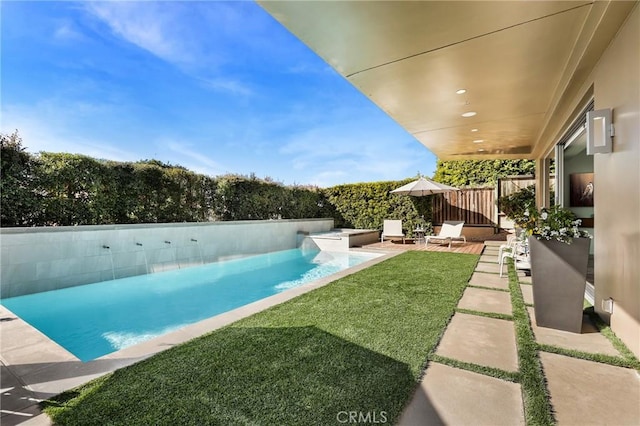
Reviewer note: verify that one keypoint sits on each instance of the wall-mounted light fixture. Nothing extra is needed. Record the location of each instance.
(607, 305)
(599, 132)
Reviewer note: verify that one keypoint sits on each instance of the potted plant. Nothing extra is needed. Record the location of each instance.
(559, 253)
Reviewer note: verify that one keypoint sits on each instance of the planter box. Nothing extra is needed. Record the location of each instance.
(558, 275)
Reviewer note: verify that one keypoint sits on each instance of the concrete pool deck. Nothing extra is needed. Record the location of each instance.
(582, 392)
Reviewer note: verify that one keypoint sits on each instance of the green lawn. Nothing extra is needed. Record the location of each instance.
(358, 344)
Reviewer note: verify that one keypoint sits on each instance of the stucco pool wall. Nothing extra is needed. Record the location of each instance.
(340, 239)
(49, 258)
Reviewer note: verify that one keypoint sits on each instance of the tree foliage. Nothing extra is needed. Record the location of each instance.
(520, 205)
(70, 189)
(516, 205)
(474, 173)
(366, 205)
(19, 198)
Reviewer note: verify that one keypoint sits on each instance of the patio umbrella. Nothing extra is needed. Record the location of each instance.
(422, 187)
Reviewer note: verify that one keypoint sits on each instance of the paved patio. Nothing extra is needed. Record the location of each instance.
(471, 247)
(582, 392)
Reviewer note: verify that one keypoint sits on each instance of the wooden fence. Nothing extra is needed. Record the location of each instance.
(475, 206)
(478, 206)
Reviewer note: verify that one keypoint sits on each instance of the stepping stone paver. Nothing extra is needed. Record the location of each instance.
(493, 243)
(482, 300)
(450, 396)
(490, 252)
(590, 340)
(527, 293)
(489, 280)
(492, 268)
(591, 393)
(489, 258)
(525, 279)
(582, 392)
(480, 340)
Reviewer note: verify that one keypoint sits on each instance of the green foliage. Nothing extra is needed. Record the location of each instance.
(18, 190)
(474, 173)
(537, 408)
(367, 205)
(554, 223)
(71, 186)
(70, 189)
(249, 198)
(517, 204)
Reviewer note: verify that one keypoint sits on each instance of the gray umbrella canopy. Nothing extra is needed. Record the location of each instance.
(423, 186)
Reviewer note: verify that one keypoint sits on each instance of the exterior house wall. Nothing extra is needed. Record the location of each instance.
(616, 83)
(50, 258)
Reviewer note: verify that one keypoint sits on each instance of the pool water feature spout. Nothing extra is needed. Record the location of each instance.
(175, 253)
(199, 250)
(144, 253)
(113, 272)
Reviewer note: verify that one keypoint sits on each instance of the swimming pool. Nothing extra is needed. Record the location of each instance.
(96, 319)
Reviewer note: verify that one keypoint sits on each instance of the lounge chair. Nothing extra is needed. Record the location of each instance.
(450, 231)
(392, 230)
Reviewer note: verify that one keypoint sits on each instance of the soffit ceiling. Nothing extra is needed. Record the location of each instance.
(410, 58)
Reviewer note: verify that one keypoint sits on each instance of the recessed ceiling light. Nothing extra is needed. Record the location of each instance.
(474, 130)
(469, 114)
(478, 141)
(461, 91)
(481, 150)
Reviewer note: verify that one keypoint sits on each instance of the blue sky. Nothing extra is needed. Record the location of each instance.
(217, 87)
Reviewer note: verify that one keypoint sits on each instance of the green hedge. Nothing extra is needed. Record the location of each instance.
(366, 205)
(517, 204)
(70, 189)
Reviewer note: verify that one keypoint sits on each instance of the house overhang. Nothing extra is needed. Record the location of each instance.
(524, 65)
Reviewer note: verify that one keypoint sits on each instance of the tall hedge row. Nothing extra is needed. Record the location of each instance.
(366, 205)
(69, 189)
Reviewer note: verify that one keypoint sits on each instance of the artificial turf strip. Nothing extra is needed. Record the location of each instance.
(510, 376)
(537, 409)
(494, 315)
(615, 340)
(616, 361)
(506, 290)
(627, 358)
(358, 344)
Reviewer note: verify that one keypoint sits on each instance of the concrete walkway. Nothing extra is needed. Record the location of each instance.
(582, 392)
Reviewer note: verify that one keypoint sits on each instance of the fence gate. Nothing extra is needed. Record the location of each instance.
(475, 206)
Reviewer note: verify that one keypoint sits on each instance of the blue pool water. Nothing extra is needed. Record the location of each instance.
(96, 319)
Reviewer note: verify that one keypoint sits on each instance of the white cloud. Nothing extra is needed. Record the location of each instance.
(42, 128)
(354, 155)
(146, 25)
(199, 37)
(328, 178)
(65, 32)
(228, 85)
(193, 160)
